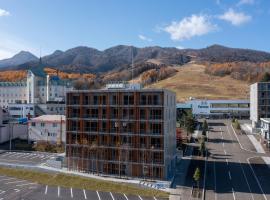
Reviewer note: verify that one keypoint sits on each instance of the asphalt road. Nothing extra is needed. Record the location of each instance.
(229, 174)
(17, 189)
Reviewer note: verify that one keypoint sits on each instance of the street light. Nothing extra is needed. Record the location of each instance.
(152, 148)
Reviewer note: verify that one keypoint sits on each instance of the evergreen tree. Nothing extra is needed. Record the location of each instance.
(205, 125)
(197, 176)
(266, 77)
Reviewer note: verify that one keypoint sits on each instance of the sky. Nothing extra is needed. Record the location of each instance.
(43, 26)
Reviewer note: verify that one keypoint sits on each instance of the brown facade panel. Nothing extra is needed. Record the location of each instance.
(116, 132)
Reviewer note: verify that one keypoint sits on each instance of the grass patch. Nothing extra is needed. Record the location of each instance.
(192, 81)
(64, 180)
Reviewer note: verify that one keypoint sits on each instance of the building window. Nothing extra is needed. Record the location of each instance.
(33, 124)
(54, 124)
(42, 124)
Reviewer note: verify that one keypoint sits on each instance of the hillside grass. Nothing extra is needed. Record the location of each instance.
(191, 81)
(64, 180)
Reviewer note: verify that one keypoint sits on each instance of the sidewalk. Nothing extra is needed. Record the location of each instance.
(180, 191)
(256, 144)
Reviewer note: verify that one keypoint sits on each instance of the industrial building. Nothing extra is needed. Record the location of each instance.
(122, 130)
(217, 108)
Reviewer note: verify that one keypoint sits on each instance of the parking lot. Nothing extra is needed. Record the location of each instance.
(25, 157)
(13, 188)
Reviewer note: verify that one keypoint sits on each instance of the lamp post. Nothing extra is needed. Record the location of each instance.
(152, 148)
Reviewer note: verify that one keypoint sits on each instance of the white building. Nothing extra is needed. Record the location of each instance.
(50, 128)
(12, 92)
(219, 108)
(265, 130)
(38, 88)
(23, 110)
(259, 102)
(12, 130)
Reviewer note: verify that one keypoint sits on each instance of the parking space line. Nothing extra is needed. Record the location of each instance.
(58, 192)
(26, 184)
(17, 190)
(46, 189)
(84, 193)
(140, 197)
(7, 179)
(233, 194)
(98, 196)
(29, 155)
(111, 195)
(125, 196)
(15, 182)
(71, 193)
(13, 155)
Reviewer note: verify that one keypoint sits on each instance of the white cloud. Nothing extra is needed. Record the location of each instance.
(196, 25)
(4, 12)
(144, 38)
(243, 2)
(235, 18)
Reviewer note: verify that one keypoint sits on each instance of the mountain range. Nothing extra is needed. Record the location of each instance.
(89, 60)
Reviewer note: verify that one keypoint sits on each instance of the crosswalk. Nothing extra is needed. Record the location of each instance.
(26, 156)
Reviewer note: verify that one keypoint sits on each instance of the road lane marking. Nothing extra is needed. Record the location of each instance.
(230, 136)
(225, 152)
(140, 197)
(125, 196)
(71, 193)
(246, 180)
(84, 193)
(46, 189)
(233, 194)
(227, 161)
(111, 195)
(155, 198)
(221, 134)
(256, 178)
(58, 191)
(98, 196)
(2, 192)
(230, 175)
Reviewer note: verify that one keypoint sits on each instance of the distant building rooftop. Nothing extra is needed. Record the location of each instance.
(49, 118)
(184, 105)
(123, 85)
(13, 84)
